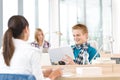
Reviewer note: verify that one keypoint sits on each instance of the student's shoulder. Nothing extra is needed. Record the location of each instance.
(31, 48)
(34, 43)
(91, 48)
(73, 46)
(46, 42)
(33, 52)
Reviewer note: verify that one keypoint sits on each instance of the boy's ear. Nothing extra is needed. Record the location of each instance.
(86, 34)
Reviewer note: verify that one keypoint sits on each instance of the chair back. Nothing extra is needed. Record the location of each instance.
(16, 77)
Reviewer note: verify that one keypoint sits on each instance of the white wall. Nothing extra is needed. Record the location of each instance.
(116, 25)
(54, 23)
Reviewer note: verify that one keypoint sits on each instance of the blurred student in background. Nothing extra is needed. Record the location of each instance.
(18, 56)
(40, 42)
(80, 35)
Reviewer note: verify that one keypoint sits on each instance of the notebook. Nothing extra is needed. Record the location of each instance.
(57, 54)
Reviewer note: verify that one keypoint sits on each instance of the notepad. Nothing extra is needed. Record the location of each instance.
(89, 70)
(57, 54)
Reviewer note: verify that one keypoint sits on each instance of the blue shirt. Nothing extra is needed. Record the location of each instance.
(91, 51)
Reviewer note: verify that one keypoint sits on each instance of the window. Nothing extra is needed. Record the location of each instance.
(8, 11)
(37, 13)
(96, 14)
(58, 16)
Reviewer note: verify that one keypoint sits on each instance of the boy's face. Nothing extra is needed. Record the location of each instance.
(79, 37)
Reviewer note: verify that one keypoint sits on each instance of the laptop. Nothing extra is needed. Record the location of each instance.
(57, 54)
(45, 59)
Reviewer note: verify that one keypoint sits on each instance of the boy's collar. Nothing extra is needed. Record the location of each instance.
(79, 46)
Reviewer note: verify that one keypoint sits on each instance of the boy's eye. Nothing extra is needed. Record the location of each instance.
(78, 35)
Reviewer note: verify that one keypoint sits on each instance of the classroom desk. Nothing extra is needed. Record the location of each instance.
(109, 72)
(106, 68)
(116, 68)
(91, 77)
(114, 56)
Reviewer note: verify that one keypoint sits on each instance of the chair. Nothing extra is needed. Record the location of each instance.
(16, 77)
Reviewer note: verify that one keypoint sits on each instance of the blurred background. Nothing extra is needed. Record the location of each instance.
(56, 18)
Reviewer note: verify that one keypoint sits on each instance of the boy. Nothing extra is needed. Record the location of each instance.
(80, 34)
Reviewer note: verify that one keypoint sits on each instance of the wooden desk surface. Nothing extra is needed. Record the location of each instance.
(115, 55)
(91, 77)
(110, 72)
(108, 55)
(106, 68)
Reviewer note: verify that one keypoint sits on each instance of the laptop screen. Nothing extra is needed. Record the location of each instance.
(57, 54)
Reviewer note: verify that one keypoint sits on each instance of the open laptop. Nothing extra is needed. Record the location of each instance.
(45, 59)
(57, 54)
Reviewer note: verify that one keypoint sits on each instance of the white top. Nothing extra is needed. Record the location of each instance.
(26, 60)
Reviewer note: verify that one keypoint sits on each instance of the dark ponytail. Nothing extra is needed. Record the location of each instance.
(16, 25)
(8, 47)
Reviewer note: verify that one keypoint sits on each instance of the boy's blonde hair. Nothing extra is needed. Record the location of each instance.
(80, 27)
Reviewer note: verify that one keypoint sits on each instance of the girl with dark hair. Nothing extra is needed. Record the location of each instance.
(18, 56)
